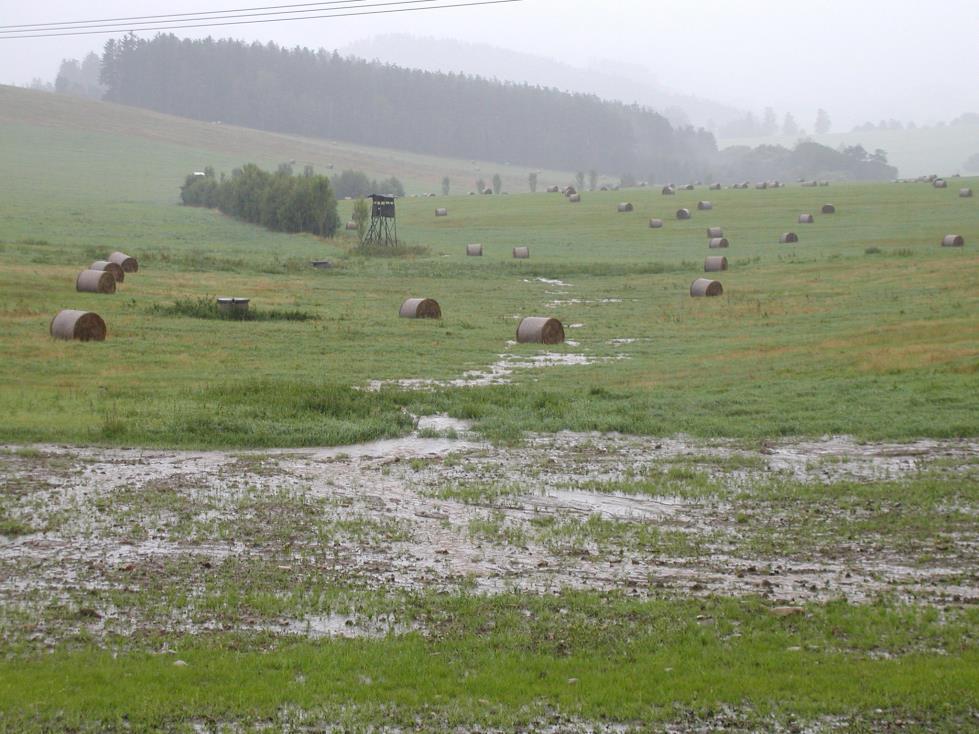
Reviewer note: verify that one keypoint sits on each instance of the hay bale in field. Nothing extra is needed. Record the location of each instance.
(806, 219)
(761, 186)
(570, 191)
(487, 191)
(655, 223)
(575, 198)
(82, 325)
(824, 183)
(233, 305)
(124, 261)
(953, 240)
(625, 206)
(714, 232)
(521, 253)
(715, 187)
(668, 191)
(441, 212)
(715, 263)
(788, 238)
(420, 308)
(717, 242)
(704, 206)
(829, 209)
(683, 214)
(940, 183)
(688, 187)
(322, 264)
(95, 281)
(705, 287)
(540, 330)
(115, 268)
(554, 189)
(809, 184)
(351, 226)
(965, 193)
(474, 250)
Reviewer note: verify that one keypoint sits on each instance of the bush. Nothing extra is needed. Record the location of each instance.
(278, 201)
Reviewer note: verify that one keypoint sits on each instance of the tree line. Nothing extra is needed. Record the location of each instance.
(279, 201)
(321, 94)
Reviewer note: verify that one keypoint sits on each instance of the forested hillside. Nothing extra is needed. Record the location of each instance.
(321, 94)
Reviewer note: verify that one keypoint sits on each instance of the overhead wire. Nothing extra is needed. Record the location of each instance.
(363, 10)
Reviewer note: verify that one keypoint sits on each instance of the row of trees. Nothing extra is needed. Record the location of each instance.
(279, 201)
(321, 94)
(768, 125)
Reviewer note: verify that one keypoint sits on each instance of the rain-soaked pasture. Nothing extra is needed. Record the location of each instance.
(751, 511)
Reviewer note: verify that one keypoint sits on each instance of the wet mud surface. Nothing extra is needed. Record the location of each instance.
(115, 541)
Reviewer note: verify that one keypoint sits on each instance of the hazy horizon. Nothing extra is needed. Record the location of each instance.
(878, 60)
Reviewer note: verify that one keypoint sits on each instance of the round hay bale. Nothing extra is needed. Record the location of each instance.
(668, 191)
(824, 183)
(351, 226)
(806, 219)
(655, 223)
(487, 191)
(704, 206)
(715, 264)
(233, 305)
(420, 308)
(953, 240)
(965, 193)
(575, 198)
(715, 187)
(521, 253)
(829, 209)
(714, 232)
(761, 186)
(82, 325)
(717, 242)
(688, 187)
(705, 287)
(625, 206)
(570, 191)
(474, 250)
(128, 264)
(115, 268)
(683, 214)
(441, 212)
(554, 189)
(788, 238)
(940, 183)
(540, 330)
(95, 281)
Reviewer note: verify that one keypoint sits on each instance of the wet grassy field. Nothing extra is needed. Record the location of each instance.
(194, 535)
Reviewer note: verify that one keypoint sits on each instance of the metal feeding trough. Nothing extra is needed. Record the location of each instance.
(233, 305)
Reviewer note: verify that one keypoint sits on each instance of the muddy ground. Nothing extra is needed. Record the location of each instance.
(102, 542)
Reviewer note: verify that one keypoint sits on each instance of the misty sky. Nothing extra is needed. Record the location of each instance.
(860, 59)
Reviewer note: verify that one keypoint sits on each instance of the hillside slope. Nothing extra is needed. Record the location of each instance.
(237, 145)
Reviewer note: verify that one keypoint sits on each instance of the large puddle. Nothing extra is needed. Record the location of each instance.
(442, 510)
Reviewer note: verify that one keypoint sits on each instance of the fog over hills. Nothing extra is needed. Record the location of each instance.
(614, 80)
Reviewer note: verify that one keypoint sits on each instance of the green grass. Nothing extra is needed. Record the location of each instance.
(507, 661)
(813, 339)
(205, 307)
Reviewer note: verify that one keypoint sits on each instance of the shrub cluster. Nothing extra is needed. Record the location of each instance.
(279, 201)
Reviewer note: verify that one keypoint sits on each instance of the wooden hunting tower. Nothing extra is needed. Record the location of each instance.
(384, 223)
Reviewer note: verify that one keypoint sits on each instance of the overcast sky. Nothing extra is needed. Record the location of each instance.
(860, 59)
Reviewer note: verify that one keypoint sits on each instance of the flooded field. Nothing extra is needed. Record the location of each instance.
(114, 541)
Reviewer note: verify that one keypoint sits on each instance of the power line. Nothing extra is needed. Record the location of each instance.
(166, 17)
(355, 13)
(225, 15)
